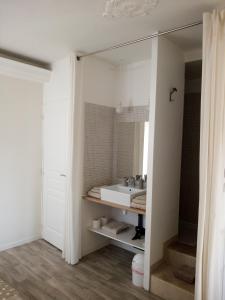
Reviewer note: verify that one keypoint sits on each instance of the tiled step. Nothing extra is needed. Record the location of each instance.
(165, 285)
(178, 255)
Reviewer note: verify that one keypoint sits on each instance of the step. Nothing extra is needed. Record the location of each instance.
(185, 273)
(188, 236)
(178, 255)
(165, 285)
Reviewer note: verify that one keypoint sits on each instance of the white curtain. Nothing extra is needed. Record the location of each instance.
(72, 231)
(211, 234)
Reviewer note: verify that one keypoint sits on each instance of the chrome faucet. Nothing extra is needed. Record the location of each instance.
(131, 181)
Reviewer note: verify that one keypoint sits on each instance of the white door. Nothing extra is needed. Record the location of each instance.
(55, 169)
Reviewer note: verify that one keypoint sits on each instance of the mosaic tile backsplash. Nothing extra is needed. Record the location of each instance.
(100, 154)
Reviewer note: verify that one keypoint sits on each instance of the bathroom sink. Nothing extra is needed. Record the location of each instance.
(119, 194)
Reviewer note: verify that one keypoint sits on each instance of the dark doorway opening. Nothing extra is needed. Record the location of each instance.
(189, 184)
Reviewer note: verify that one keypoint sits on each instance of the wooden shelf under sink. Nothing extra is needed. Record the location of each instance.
(111, 204)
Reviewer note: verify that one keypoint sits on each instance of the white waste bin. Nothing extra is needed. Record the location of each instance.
(138, 270)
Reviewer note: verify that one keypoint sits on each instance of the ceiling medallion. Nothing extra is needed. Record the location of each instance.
(128, 8)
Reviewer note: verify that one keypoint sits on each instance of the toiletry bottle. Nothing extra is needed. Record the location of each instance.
(141, 184)
(145, 181)
(125, 181)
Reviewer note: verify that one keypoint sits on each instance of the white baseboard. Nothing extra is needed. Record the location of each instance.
(19, 243)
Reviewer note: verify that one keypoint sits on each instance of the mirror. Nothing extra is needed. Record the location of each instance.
(131, 149)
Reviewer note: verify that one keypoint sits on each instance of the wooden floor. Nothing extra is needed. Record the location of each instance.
(37, 271)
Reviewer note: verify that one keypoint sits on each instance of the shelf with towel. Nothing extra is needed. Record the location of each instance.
(124, 237)
(126, 208)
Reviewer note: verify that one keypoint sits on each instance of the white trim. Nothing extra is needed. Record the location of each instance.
(152, 108)
(19, 242)
(78, 150)
(21, 70)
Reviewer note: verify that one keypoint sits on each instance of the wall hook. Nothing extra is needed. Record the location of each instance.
(172, 91)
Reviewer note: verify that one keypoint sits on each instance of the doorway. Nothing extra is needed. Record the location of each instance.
(189, 183)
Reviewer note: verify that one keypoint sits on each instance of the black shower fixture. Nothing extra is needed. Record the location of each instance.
(172, 91)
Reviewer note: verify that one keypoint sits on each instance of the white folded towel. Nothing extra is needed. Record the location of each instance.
(141, 197)
(137, 201)
(115, 227)
(140, 200)
(138, 206)
(93, 194)
(96, 189)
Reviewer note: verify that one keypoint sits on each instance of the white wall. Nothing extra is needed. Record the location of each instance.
(59, 85)
(133, 84)
(20, 161)
(99, 84)
(110, 85)
(165, 145)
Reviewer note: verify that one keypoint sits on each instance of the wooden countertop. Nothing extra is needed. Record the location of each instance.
(111, 204)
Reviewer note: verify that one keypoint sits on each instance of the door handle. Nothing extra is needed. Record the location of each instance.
(63, 175)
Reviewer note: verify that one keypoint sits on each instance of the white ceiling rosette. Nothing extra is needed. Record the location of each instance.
(129, 8)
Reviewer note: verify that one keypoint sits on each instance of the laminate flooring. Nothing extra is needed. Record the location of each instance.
(38, 272)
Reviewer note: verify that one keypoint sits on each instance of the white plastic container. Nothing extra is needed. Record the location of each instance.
(96, 223)
(138, 270)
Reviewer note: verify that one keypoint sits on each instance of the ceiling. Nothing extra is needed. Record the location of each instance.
(47, 30)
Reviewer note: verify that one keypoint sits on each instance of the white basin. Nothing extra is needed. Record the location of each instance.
(119, 194)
